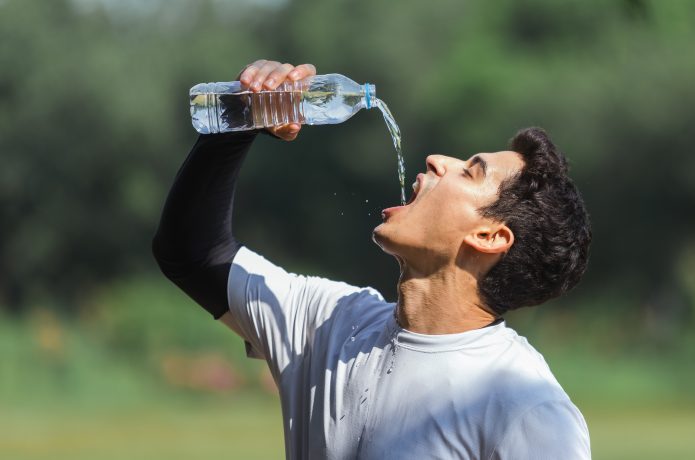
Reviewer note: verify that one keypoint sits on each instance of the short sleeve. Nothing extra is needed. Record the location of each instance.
(550, 430)
(277, 312)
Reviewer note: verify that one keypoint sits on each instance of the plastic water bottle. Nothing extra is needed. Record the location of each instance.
(318, 100)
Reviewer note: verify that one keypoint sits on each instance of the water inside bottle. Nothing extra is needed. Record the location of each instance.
(396, 137)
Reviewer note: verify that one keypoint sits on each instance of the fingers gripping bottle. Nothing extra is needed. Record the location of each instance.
(318, 100)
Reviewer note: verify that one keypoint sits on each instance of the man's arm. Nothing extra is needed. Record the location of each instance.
(278, 314)
(194, 244)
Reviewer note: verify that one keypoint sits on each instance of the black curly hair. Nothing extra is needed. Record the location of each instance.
(552, 232)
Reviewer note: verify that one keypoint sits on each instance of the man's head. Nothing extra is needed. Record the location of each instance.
(513, 219)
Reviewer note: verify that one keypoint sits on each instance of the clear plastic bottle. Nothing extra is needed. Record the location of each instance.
(318, 100)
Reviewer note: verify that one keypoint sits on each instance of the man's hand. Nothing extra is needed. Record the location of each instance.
(267, 75)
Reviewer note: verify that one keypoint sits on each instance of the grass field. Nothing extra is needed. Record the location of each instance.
(249, 427)
(243, 428)
(636, 434)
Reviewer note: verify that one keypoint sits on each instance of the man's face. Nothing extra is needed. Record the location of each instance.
(432, 227)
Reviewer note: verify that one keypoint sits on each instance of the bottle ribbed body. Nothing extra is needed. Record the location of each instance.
(322, 99)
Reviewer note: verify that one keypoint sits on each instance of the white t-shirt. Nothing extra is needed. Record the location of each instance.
(353, 384)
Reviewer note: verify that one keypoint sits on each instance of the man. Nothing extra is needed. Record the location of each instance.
(437, 375)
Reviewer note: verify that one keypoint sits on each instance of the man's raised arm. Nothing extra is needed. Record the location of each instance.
(194, 244)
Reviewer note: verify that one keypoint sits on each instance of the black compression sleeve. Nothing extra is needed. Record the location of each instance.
(194, 245)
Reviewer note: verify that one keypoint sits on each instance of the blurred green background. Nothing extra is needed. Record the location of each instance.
(100, 357)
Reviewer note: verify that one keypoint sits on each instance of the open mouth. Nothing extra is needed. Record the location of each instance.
(417, 186)
(416, 190)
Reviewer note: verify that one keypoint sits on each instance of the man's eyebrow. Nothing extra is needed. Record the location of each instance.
(478, 160)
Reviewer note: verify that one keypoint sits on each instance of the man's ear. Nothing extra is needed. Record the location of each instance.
(491, 239)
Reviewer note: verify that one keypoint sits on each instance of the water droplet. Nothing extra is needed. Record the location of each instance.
(352, 339)
(366, 201)
(389, 371)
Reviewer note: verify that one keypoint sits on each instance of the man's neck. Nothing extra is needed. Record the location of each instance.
(444, 302)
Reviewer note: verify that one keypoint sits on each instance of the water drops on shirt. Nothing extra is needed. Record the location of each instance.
(394, 347)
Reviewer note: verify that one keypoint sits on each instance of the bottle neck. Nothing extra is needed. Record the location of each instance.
(369, 95)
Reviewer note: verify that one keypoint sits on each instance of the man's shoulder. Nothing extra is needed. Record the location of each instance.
(519, 375)
(361, 308)
(525, 357)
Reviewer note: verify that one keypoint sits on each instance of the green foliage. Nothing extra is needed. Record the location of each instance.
(94, 124)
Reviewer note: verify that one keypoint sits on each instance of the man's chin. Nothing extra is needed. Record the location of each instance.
(381, 238)
(377, 237)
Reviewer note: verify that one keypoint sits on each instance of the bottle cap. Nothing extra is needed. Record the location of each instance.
(369, 95)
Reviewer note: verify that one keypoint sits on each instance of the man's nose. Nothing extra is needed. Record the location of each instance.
(436, 164)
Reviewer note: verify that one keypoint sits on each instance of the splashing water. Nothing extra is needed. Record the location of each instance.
(396, 136)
